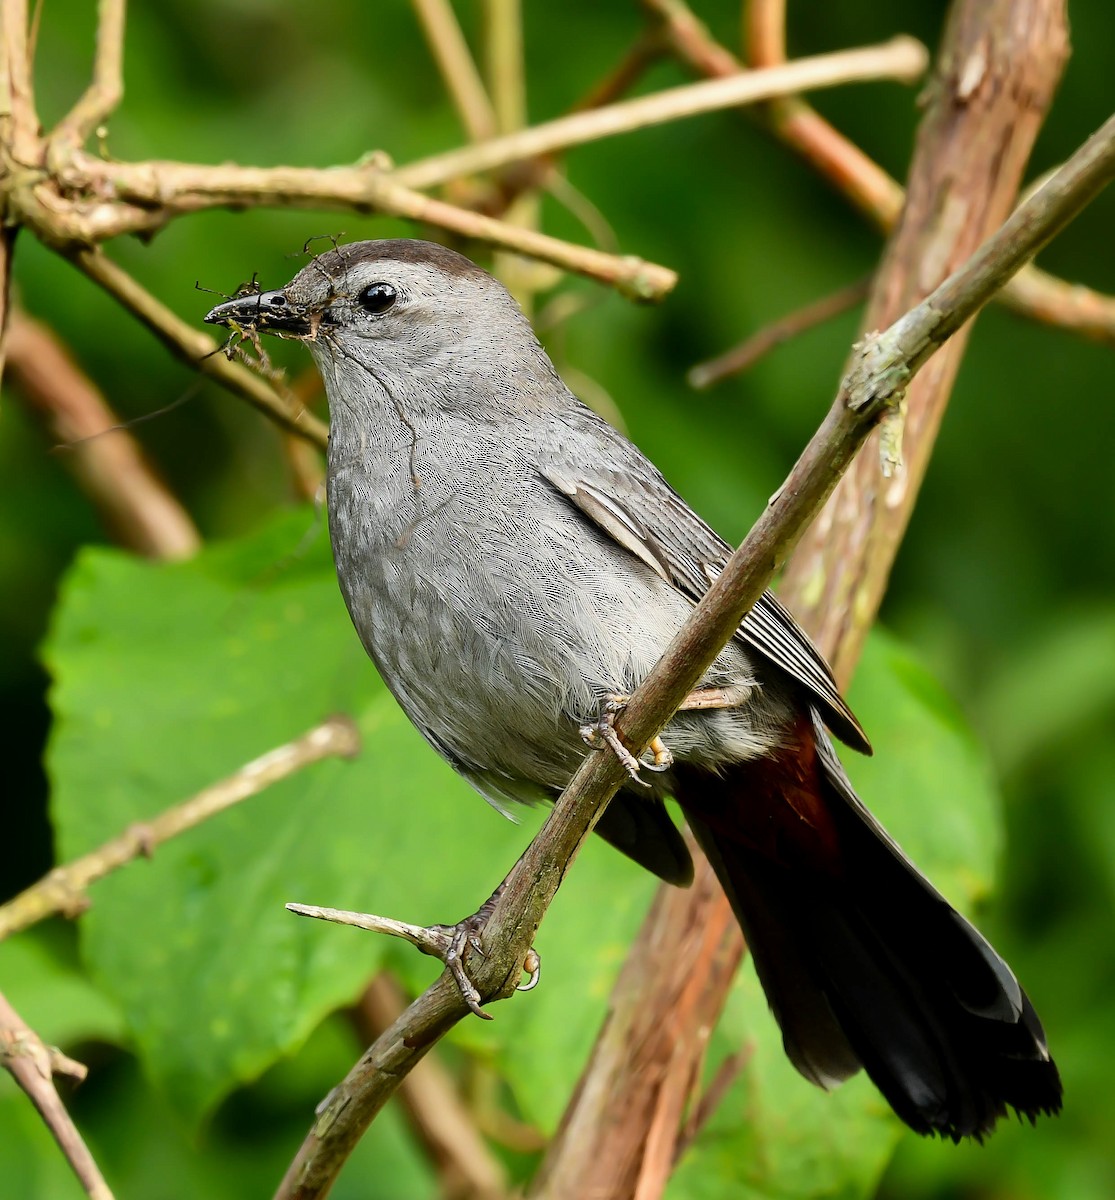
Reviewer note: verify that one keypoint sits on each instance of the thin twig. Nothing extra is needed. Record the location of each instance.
(690, 40)
(749, 351)
(33, 1066)
(1033, 293)
(148, 194)
(873, 384)
(18, 90)
(104, 92)
(765, 32)
(457, 66)
(503, 44)
(198, 350)
(64, 889)
(102, 455)
(903, 59)
(647, 49)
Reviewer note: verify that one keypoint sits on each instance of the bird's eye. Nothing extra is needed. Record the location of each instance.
(377, 298)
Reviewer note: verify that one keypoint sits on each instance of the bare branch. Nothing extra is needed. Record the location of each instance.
(198, 350)
(148, 194)
(749, 351)
(104, 92)
(864, 397)
(503, 38)
(18, 97)
(902, 58)
(457, 66)
(103, 456)
(64, 889)
(33, 1066)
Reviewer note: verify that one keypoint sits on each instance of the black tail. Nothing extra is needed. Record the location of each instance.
(863, 962)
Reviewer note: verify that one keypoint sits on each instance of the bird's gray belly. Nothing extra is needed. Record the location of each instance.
(501, 629)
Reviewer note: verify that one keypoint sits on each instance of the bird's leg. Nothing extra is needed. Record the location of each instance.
(450, 942)
(603, 733)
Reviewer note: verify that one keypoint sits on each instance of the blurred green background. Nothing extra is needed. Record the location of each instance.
(169, 677)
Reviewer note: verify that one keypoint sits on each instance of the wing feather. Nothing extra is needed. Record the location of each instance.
(624, 495)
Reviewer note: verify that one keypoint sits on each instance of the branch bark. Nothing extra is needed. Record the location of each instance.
(884, 365)
(64, 890)
(1035, 52)
(33, 1066)
(105, 459)
(999, 68)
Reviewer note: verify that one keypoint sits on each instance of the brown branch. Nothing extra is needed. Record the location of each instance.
(147, 194)
(18, 94)
(432, 1106)
(105, 459)
(1009, 245)
(64, 889)
(104, 92)
(198, 350)
(870, 388)
(33, 1066)
(996, 77)
(457, 66)
(645, 51)
(740, 358)
(902, 58)
(690, 40)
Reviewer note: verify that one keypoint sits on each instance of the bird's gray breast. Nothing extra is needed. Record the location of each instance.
(479, 594)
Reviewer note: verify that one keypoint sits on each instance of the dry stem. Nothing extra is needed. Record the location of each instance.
(103, 456)
(198, 350)
(64, 889)
(106, 89)
(749, 351)
(902, 58)
(33, 1066)
(457, 66)
(433, 1108)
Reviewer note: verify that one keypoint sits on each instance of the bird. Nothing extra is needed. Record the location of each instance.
(514, 566)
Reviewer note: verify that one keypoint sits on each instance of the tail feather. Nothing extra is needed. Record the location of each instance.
(862, 960)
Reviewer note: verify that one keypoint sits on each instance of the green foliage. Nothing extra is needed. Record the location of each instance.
(202, 1006)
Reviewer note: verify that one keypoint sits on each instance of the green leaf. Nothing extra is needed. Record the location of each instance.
(169, 677)
(774, 1136)
(47, 989)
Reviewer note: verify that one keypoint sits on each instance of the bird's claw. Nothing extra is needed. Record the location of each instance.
(603, 733)
(450, 944)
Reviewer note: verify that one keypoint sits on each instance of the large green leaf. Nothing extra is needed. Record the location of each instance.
(168, 677)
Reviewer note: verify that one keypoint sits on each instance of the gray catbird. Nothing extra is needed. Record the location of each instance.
(514, 567)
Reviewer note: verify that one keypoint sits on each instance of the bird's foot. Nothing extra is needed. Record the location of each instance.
(448, 943)
(603, 733)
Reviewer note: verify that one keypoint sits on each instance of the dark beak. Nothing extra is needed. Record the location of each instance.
(263, 312)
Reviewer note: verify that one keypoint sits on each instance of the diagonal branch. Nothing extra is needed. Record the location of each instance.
(33, 1066)
(902, 58)
(884, 364)
(64, 889)
(102, 455)
(106, 89)
(457, 66)
(198, 350)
